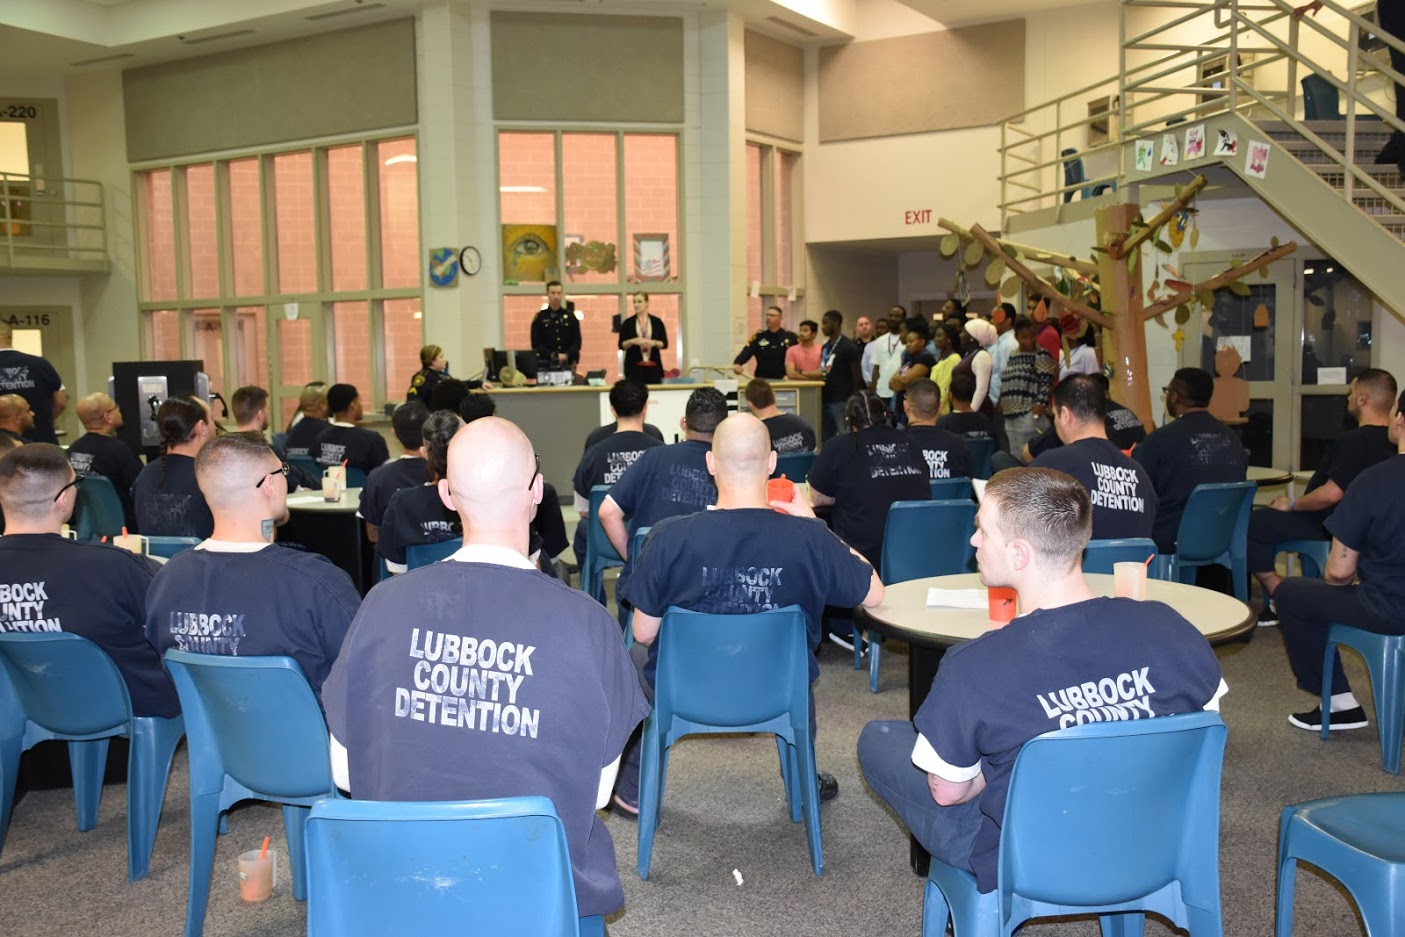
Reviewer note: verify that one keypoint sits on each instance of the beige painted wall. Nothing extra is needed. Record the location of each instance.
(775, 87)
(854, 282)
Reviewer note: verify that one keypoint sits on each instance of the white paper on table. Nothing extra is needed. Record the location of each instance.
(306, 499)
(956, 598)
(978, 486)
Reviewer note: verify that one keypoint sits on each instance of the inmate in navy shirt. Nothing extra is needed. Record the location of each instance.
(359, 448)
(415, 516)
(1369, 519)
(1194, 449)
(98, 591)
(790, 433)
(967, 423)
(303, 436)
(168, 502)
(464, 681)
(1101, 660)
(110, 457)
(663, 482)
(604, 464)
(383, 482)
(609, 429)
(944, 452)
(865, 472)
(1356, 451)
(1124, 501)
(34, 379)
(273, 601)
(745, 560)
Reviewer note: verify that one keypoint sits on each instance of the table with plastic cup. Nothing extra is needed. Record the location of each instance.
(333, 529)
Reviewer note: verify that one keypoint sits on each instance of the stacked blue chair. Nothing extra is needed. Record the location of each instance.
(423, 554)
(950, 489)
(1357, 840)
(795, 465)
(1214, 530)
(376, 868)
(168, 547)
(255, 733)
(725, 674)
(1312, 554)
(600, 553)
(1100, 555)
(1092, 791)
(98, 509)
(62, 686)
(980, 450)
(1385, 661)
(920, 539)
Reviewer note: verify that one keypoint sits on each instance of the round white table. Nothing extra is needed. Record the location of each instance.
(312, 501)
(1262, 475)
(332, 529)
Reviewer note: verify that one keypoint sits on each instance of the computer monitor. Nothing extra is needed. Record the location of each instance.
(495, 359)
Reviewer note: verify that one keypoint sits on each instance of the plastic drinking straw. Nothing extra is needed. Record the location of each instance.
(1149, 559)
(263, 850)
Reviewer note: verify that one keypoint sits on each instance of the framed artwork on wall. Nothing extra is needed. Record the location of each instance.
(651, 257)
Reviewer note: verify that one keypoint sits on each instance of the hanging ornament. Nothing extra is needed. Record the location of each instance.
(1180, 221)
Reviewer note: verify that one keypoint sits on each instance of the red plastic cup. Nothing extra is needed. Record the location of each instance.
(780, 489)
(1001, 602)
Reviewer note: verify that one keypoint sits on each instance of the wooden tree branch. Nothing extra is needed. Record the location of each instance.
(1135, 240)
(1223, 279)
(1037, 254)
(1044, 289)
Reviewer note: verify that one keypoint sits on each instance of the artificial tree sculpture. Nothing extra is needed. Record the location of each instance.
(1115, 277)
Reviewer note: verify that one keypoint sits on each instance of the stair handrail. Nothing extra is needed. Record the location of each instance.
(62, 233)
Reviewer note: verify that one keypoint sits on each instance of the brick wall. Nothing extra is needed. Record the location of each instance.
(295, 229)
(246, 224)
(351, 322)
(401, 263)
(346, 205)
(156, 206)
(202, 261)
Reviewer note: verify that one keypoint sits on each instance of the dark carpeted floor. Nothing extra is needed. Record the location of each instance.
(724, 810)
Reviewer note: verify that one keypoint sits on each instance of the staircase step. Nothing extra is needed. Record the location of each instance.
(1387, 174)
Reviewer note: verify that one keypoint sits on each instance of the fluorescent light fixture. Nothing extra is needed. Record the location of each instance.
(402, 158)
(521, 188)
(418, 314)
(1309, 271)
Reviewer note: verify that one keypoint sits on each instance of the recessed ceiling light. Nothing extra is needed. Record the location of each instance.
(402, 158)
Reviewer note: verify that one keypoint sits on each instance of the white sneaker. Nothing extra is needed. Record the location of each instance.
(842, 642)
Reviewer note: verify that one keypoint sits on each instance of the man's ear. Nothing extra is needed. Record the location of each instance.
(443, 487)
(770, 463)
(711, 463)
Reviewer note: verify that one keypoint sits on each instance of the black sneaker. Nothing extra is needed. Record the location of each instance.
(1268, 616)
(829, 787)
(1354, 718)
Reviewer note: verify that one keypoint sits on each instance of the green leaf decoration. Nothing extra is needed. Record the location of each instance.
(1239, 288)
(1205, 298)
(1182, 314)
(1010, 251)
(1273, 242)
(1263, 272)
(994, 272)
(1010, 288)
(974, 252)
(1194, 236)
(1098, 250)
(1236, 262)
(950, 245)
(1132, 259)
(1163, 247)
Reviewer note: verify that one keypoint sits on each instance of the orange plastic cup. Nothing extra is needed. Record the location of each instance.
(1001, 601)
(780, 489)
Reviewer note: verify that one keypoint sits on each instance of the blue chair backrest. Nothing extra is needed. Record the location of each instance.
(950, 489)
(981, 449)
(1321, 100)
(280, 441)
(254, 719)
(355, 477)
(927, 538)
(1094, 790)
(1100, 555)
(731, 670)
(1216, 517)
(376, 867)
(1073, 171)
(595, 540)
(170, 546)
(794, 465)
(423, 554)
(99, 509)
(64, 684)
(308, 465)
(638, 543)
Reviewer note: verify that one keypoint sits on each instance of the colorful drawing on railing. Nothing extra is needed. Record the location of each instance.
(1146, 155)
(1227, 143)
(1195, 142)
(1256, 163)
(1170, 150)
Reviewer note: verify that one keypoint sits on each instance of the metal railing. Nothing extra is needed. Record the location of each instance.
(1182, 60)
(47, 220)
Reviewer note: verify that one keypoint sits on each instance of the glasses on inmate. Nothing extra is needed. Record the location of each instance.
(77, 480)
(533, 480)
(281, 470)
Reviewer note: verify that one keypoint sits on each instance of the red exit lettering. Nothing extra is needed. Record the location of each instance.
(920, 216)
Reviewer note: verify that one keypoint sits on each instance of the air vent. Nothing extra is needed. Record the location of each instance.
(115, 57)
(791, 26)
(215, 37)
(347, 12)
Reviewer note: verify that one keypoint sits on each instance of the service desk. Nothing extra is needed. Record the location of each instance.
(558, 419)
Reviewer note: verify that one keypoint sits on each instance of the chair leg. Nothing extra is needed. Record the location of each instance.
(858, 639)
(935, 912)
(788, 774)
(1287, 878)
(10, 751)
(1129, 924)
(593, 926)
(1328, 658)
(1390, 705)
(650, 793)
(204, 821)
(88, 761)
(1239, 572)
(153, 742)
(294, 819)
(810, 797)
(1202, 922)
(875, 649)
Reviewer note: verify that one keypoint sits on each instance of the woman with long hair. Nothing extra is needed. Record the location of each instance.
(434, 367)
(642, 337)
(166, 497)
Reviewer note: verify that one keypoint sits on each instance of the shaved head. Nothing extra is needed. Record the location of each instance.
(30, 477)
(92, 408)
(741, 450)
(229, 470)
(15, 413)
(493, 478)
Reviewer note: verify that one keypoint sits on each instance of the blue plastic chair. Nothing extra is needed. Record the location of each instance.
(794, 465)
(600, 553)
(1385, 661)
(1138, 804)
(280, 441)
(169, 547)
(980, 450)
(1214, 530)
(1357, 839)
(1312, 554)
(920, 539)
(1075, 174)
(627, 613)
(377, 868)
(423, 554)
(950, 489)
(98, 509)
(1100, 555)
(310, 466)
(255, 733)
(725, 674)
(62, 686)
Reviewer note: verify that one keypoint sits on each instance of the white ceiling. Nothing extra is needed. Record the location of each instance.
(966, 12)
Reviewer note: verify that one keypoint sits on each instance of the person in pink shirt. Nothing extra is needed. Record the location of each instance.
(802, 361)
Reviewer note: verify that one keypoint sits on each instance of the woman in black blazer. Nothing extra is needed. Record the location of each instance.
(642, 337)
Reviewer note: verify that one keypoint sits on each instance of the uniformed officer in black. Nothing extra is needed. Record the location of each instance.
(556, 332)
(768, 348)
(434, 367)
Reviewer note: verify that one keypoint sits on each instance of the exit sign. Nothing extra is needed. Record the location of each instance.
(920, 216)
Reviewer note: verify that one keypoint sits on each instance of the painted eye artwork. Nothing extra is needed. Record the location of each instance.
(529, 252)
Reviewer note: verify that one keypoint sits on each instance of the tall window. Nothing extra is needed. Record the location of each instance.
(775, 261)
(285, 267)
(598, 211)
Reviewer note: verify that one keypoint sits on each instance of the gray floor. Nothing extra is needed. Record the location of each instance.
(724, 810)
